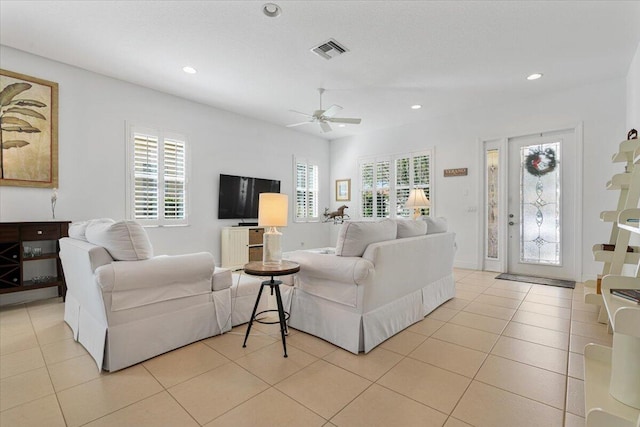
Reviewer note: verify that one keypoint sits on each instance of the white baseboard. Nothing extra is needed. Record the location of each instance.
(466, 265)
(28, 296)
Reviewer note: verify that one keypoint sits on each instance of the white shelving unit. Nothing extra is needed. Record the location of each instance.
(239, 245)
(612, 374)
(628, 184)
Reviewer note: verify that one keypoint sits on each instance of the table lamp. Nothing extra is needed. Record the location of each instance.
(273, 210)
(416, 201)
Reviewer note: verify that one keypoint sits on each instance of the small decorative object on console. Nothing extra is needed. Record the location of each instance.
(54, 200)
(337, 216)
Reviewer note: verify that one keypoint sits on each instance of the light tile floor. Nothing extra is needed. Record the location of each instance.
(499, 354)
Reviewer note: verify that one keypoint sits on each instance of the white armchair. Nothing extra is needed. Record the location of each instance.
(124, 312)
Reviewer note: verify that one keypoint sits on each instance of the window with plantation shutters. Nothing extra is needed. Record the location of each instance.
(157, 184)
(306, 190)
(385, 183)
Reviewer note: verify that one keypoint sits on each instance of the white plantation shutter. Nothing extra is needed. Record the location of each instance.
(374, 189)
(412, 171)
(174, 180)
(301, 190)
(421, 177)
(403, 185)
(157, 184)
(382, 189)
(385, 184)
(366, 191)
(312, 191)
(306, 190)
(145, 160)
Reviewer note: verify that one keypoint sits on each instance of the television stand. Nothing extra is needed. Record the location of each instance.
(247, 224)
(240, 245)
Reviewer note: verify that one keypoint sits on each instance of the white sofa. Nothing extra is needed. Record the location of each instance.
(383, 277)
(124, 305)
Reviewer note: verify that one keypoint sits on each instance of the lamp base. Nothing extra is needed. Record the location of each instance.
(272, 247)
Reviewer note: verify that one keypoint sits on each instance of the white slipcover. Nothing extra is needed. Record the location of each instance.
(355, 236)
(124, 312)
(358, 302)
(411, 228)
(124, 240)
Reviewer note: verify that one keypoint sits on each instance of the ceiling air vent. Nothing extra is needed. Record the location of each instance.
(329, 49)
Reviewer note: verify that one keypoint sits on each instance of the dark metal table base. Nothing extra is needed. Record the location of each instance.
(282, 315)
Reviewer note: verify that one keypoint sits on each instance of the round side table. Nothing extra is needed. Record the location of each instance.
(256, 268)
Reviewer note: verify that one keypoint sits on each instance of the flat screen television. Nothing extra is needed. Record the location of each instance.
(238, 196)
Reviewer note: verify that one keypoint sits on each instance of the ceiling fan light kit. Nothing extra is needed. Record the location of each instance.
(324, 117)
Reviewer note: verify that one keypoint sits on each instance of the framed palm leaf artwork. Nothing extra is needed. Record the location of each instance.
(29, 135)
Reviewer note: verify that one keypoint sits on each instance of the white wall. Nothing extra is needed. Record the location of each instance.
(633, 92)
(455, 138)
(93, 110)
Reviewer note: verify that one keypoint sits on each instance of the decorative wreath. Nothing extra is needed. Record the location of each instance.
(540, 162)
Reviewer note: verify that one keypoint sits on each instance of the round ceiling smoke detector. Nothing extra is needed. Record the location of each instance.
(272, 10)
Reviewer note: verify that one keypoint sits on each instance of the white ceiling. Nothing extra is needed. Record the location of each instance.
(446, 55)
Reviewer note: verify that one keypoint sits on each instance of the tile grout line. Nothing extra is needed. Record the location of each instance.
(404, 357)
(480, 367)
(46, 366)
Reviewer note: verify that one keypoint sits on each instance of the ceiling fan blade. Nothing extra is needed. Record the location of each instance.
(298, 124)
(325, 127)
(344, 120)
(300, 112)
(332, 111)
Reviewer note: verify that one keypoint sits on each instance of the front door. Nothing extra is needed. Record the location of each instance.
(541, 205)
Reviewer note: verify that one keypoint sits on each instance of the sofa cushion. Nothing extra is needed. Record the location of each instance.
(435, 225)
(124, 240)
(355, 236)
(78, 230)
(411, 228)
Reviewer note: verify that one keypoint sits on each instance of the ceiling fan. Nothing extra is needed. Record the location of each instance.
(324, 117)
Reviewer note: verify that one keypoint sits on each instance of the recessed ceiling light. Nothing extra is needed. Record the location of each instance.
(189, 70)
(272, 10)
(342, 125)
(534, 76)
(416, 107)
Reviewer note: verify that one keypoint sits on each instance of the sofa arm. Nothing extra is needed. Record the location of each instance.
(333, 268)
(162, 278)
(221, 279)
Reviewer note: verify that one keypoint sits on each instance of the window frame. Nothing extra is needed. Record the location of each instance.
(392, 183)
(313, 164)
(162, 136)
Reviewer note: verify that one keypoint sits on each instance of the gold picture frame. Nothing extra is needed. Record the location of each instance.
(29, 133)
(343, 190)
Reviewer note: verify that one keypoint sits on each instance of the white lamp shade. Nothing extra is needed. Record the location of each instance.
(273, 210)
(417, 199)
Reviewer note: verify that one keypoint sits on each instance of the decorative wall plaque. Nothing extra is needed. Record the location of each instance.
(456, 172)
